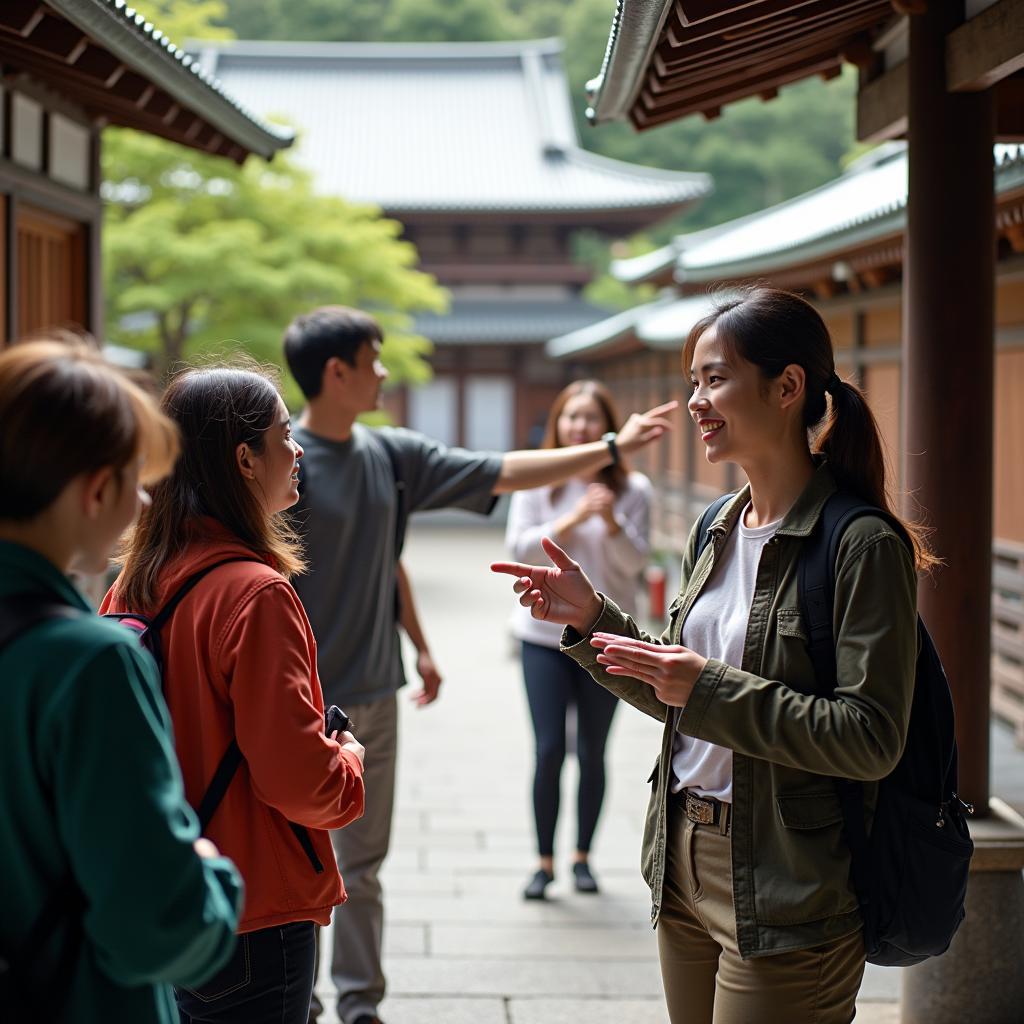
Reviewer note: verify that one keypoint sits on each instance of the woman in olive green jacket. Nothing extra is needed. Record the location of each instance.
(743, 848)
(96, 829)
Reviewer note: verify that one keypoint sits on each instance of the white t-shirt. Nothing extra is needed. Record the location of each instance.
(613, 564)
(717, 628)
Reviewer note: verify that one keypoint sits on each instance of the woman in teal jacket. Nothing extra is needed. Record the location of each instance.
(98, 841)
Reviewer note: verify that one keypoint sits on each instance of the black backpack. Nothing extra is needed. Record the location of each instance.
(910, 874)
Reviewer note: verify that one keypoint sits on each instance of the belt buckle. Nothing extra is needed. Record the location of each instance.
(700, 811)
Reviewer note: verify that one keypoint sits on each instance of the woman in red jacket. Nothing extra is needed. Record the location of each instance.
(240, 664)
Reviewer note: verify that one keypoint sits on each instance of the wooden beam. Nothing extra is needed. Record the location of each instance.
(986, 49)
(77, 50)
(882, 106)
(115, 76)
(1009, 102)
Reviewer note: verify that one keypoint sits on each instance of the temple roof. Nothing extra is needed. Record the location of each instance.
(424, 127)
(493, 321)
(865, 203)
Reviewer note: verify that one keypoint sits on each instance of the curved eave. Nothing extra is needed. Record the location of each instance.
(604, 335)
(1009, 171)
(621, 187)
(142, 47)
(635, 30)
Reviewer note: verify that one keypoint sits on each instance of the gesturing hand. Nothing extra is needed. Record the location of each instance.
(671, 670)
(643, 427)
(561, 594)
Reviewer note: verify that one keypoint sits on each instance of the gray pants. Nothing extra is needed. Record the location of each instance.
(361, 847)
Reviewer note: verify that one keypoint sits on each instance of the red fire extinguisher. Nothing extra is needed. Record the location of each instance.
(655, 578)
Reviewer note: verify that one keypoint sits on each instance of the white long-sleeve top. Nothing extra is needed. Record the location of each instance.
(614, 564)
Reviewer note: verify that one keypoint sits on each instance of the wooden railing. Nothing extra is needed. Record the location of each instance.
(1008, 635)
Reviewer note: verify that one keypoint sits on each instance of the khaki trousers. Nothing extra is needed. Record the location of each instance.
(706, 981)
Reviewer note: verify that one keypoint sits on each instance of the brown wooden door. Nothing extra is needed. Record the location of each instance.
(52, 274)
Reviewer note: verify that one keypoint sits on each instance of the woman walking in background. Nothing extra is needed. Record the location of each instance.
(602, 519)
(240, 672)
(744, 849)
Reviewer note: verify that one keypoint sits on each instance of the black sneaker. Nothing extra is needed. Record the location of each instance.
(535, 887)
(585, 881)
(367, 1018)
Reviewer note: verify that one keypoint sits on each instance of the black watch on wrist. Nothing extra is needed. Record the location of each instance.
(610, 439)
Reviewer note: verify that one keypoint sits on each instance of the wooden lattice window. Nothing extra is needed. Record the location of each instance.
(52, 271)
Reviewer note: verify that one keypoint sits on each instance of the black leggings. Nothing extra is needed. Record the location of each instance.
(553, 681)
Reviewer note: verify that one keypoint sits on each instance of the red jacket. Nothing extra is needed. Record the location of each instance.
(240, 661)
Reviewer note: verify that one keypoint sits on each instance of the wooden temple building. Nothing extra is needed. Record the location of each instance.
(915, 257)
(68, 68)
(472, 147)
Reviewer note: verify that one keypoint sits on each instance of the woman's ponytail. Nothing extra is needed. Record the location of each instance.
(852, 443)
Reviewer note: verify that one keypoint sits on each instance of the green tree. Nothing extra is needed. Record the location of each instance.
(201, 254)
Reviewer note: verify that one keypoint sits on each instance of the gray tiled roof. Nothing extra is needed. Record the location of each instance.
(869, 201)
(663, 323)
(507, 321)
(436, 127)
(143, 47)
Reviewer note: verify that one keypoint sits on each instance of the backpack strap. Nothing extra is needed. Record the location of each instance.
(816, 589)
(707, 517)
(160, 619)
(232, 757)
(816, 579)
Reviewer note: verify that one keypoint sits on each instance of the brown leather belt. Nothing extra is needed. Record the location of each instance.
(705, 810)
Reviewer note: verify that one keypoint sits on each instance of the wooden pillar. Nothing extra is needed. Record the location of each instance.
(948, 398)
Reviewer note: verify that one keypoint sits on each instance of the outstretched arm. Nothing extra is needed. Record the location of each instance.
(410, 622)
(524, 469)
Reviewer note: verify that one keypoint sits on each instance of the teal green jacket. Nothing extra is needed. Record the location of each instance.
(89, 784)
(790, 863)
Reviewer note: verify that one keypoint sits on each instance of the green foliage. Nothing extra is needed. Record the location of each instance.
(605, 290)
(181, 20)
(224, 256)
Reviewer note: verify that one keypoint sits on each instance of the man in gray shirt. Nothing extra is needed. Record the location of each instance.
(358, 488)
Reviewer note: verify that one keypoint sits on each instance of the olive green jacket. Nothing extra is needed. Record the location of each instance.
(790, 864)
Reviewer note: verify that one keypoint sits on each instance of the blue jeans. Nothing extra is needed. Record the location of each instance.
(269, 980)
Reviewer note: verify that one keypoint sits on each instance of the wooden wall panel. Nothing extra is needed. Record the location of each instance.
(1009, 438)
(882, 387)
(840, 326)
(52, 271)
(1010, 303)
(883, 327)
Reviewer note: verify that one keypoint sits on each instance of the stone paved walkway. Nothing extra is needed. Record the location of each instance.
(461, 945)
